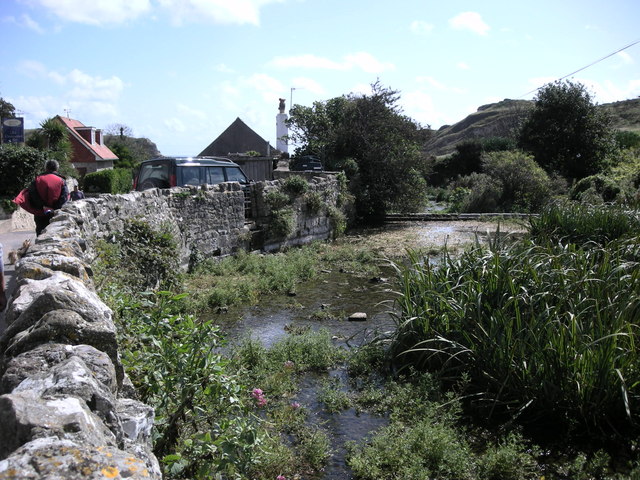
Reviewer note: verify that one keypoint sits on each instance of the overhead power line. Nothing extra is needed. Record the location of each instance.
(587, 66)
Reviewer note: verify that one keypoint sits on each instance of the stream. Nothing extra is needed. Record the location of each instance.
(325, 303)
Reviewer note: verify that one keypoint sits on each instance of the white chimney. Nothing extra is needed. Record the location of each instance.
(281, 129)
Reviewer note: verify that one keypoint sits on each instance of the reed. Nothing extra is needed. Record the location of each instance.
(579, 223)
(546, 332)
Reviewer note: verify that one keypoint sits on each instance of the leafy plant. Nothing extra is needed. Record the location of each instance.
(277, 199)
(118, 180)
(140, 258)
(530, 352)
(313, 202)
(566, 132)
(282, 222)
(20, 165)
(577, 223)
(295, 185)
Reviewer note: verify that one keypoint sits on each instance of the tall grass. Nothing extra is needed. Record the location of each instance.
(545, 333)
(579, 223)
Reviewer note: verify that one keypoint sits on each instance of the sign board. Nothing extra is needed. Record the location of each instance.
(13, 130)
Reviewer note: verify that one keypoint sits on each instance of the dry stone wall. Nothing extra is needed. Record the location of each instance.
(67, 408)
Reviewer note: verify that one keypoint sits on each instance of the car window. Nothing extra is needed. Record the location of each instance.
(234, 174)
(191, 176)
(215, 175)
(154, 175)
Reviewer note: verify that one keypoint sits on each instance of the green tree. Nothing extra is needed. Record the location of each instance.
(52, 138)
(19, 165)
(368, 138)
(7, 110)
(566, 132)
(129, 149)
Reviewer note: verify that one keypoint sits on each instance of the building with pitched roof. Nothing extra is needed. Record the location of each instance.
(238, 138)
(90, 154)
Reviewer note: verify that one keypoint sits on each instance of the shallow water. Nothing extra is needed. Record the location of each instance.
(324, 303)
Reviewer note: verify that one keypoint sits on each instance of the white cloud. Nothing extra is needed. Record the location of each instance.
(191, 112)
(471, 21)
(367, 63)
(24, 21)
(175, 125)
(463, 66)
(94, 88)
(609, 91)
(35, 109)
(421, 28)
(215, 11)
(269, 88)
(306, 61)
(440, 86)
(625, 58)
(360, 60)
(88, 96)
(222, 68)
(419, 106)
(96, 12)
(308, 85)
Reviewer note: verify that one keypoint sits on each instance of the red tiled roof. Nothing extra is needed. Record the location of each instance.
(101, 151)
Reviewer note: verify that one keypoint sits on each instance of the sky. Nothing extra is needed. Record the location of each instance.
(179, 72)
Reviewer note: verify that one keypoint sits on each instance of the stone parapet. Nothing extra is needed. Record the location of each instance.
(67, 408)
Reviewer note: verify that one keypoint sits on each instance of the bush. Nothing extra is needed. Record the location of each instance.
(19, 165)
(313, 201)
(295, 185)
(626, 139)
(525, 186)
(595, 189)
(276, 199)
(566, 132)
(117, 180)
(477, 193)
(141, 258)
(282, 223)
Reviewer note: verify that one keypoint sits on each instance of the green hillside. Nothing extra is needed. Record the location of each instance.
(502, 119)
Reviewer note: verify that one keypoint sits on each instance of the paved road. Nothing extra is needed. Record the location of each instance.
(12, 241)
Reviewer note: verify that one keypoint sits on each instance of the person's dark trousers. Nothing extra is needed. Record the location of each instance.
(41, 222)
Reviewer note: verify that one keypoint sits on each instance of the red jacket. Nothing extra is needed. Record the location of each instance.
(52, 190)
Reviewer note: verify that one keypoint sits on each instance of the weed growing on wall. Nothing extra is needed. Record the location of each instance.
(282, 223)
(295, 185)
(313, 202)
(140, 258)
(276, 199)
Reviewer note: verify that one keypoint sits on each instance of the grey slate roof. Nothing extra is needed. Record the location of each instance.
(238, 138)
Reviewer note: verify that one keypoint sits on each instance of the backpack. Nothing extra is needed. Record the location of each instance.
(34, 197)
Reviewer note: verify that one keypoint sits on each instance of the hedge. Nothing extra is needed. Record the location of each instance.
(118, 180)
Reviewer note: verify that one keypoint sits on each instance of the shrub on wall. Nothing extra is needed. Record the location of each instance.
(282, 223)
(276, 199)
(117, 180)
(313, 201)
(295, 185)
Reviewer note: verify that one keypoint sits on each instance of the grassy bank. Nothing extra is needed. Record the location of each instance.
(542, 333)
(516, 361)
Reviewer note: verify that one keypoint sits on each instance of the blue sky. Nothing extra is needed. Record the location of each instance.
(180, 71)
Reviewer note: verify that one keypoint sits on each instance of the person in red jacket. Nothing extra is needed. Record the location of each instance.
(48, 193)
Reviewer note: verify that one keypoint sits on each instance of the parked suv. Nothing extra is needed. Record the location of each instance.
(305, 164)
(167, 172)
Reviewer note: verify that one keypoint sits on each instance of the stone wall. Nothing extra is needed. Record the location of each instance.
(67, 408)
